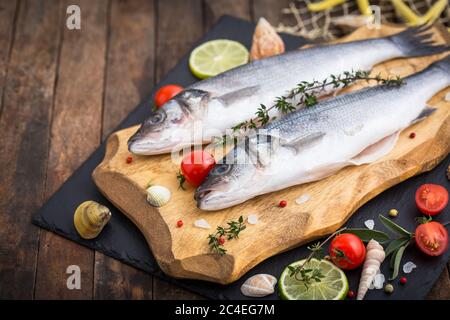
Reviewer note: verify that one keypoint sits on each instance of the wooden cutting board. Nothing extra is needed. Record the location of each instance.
(184, 252)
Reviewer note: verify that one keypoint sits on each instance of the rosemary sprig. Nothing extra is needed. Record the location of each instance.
(306, 93)
(232, 231)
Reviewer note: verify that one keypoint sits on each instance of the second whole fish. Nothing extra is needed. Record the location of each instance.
(313, 143)
(209, 107)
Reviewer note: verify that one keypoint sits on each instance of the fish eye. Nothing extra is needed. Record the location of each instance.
(157, 117)
(221, 169)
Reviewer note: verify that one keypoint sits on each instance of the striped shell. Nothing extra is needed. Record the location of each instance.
(158, 196)
(259, 285)
(90, 218)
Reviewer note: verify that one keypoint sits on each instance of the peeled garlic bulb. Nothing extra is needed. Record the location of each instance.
(158, 196)
(259, 285)
(90, 218)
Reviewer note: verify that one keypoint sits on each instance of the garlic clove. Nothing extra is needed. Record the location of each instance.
(90, 218)
(158, 196)
(259, 285)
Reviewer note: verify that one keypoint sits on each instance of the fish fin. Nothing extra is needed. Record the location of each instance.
(230, 97)
(376, 151)
(301, 142)
(427, 111)
(417, 41)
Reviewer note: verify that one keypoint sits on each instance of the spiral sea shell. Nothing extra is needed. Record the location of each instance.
(259, 285)
(158, 195)
(90, 218)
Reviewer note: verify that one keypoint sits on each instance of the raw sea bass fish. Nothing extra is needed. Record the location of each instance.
(312, 143)
(213, 105)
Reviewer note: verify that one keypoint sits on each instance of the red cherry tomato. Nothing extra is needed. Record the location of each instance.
(347, 251)
(432, 238)
(196, 165)
(431, 199)
(166, 93)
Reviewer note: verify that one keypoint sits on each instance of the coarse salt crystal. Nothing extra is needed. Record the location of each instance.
(252, 219)
(202, 223)
(369, 224)
(408, 267)
(378, 281)
(302, 199)
(447, 97)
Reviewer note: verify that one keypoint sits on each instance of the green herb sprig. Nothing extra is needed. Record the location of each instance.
(307, 276)
(306, 93)
(230, 232)
(181, 180)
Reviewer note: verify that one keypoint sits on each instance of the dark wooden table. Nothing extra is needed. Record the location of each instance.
(62, 92)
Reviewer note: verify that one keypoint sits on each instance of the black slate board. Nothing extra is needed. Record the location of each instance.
(123, 241)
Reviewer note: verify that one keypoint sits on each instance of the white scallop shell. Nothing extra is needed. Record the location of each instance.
(259, 285)
(158, 195)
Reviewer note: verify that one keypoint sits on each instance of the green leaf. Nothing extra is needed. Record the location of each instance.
(366, 234)
(397, 260)
(394, 227)
(394, 245)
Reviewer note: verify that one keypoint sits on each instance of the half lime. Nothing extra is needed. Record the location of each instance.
(333, 286)
(216, 56)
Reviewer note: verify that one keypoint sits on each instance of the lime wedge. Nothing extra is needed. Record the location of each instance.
(334, 285)
(216, 56)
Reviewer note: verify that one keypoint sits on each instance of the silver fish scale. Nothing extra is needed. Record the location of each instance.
(276, 75)
(370, 104)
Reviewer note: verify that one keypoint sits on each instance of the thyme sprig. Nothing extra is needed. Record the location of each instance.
(306, 94)
(232, 231)
(307, 276)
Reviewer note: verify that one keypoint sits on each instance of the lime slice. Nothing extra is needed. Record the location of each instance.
(216, 56)
(334, 286)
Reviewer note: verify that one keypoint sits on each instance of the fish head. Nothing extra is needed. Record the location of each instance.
(170, 125)
(228, 184)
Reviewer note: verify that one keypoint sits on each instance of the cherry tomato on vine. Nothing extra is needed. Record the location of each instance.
(196, 165)
(165, 93)
(431, 199)
(347, 251)
(432, 238)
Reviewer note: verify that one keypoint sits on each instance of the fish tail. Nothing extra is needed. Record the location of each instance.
(417, 41)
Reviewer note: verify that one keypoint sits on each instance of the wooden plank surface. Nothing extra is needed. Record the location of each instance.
(8, 10)
(24, 132)
(75, 134)
(129, 78)
(29, 42)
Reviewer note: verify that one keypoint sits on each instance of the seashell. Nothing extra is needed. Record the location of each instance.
(259, 285)
(266, 41)
(158, 196)
(90, 218)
